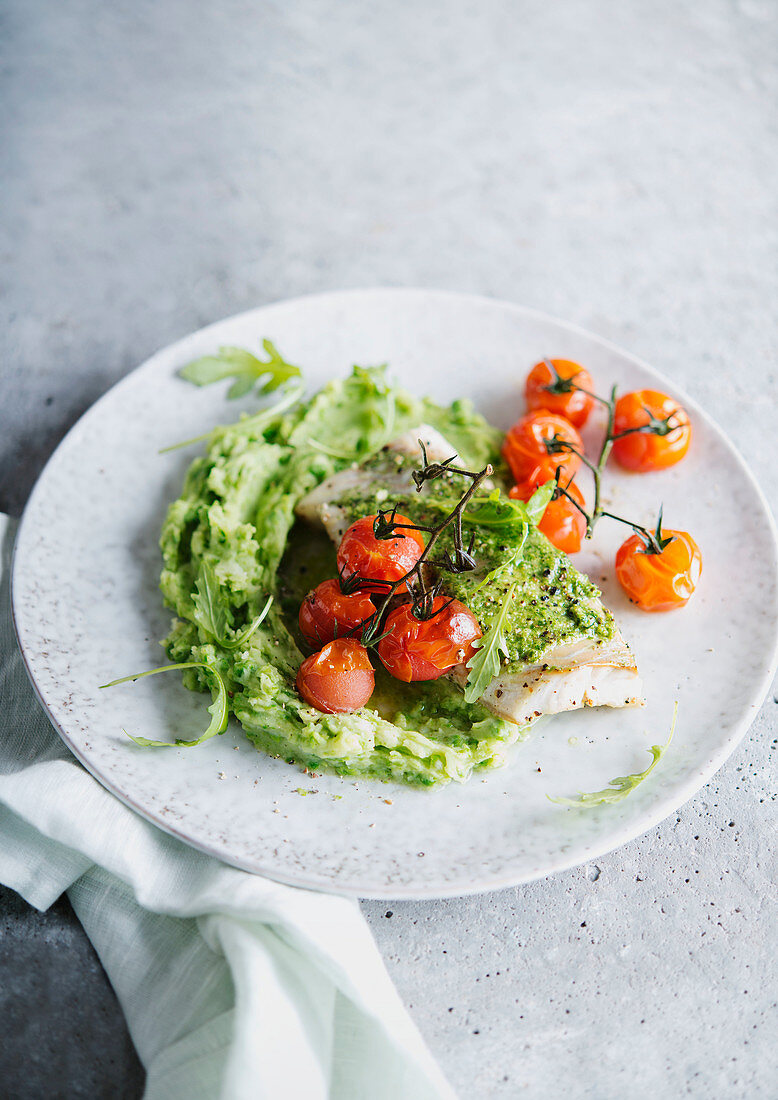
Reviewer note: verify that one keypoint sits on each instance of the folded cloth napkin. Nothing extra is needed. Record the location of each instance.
(233, 986)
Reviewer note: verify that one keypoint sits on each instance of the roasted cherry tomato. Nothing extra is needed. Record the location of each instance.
(423, 649)
(337, 679)
(328, 613)
(572, 404)
(389, 559)
(643, 451)
(524, 448)
(659, 582)
(562, 523)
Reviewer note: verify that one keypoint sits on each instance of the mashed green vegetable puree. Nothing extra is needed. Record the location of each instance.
(235, 522)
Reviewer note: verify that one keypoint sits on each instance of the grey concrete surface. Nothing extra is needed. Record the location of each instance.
(614, 163)
(61, 1032)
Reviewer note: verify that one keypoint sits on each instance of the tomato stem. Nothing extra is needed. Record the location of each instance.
(653, 541)
(562, 491)
(605, 451)
(567, 385)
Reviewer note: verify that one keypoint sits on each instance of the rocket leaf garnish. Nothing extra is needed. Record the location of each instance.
(218, 709)
(539, 501)
(485, 665)
(211, 612)
(244, 367)
(622, 785)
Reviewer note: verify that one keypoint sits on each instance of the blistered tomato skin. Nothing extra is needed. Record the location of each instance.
(563, 524)
(645, 451)
(423, 649)
(659, 582)
(524, 448)
(327, 613)
(338, 679)
(385, 560)
(574, 406)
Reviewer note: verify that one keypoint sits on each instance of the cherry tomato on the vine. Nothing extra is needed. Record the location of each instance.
(390, 559)
(659, 582)
(423, 649)
(525, 451)
(643, 451)
(338, 679)
(573, 405)
(562, 524)
(328, 613)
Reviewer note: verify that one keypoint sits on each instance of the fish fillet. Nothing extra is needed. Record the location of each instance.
(582, 672)
(320, 506)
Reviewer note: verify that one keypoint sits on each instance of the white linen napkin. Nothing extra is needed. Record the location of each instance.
(233, 986)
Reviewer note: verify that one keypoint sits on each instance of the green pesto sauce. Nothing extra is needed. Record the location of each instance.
(436, 708)
(553, 602)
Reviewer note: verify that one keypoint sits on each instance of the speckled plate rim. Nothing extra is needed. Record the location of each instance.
(663, 808)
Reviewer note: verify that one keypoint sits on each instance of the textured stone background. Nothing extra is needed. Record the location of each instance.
(614, 163)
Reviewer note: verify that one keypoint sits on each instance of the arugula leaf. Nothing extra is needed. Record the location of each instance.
(243, 636)
(245, 368)
(218, 709)
(212, 611)
(622, 785)
(495, 510)
(485, 665)
(498, 511)
(538, 502)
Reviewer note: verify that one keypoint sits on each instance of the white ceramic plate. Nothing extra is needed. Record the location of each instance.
(87, 610)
